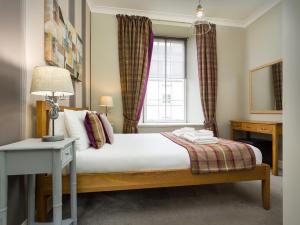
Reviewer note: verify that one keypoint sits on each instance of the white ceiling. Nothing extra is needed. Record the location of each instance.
(235, 12)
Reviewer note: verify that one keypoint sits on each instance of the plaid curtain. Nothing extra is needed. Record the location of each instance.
(277, 83)
(135, 39)
(207, 70)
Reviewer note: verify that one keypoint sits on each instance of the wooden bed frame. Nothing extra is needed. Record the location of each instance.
(98, 182)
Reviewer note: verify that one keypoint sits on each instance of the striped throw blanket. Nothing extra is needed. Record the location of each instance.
(226, 155)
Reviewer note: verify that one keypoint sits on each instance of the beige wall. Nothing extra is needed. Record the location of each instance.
(11, 97)
(231, 56)
(87, 55)
(35, 52)
(291, 111)
(106, 78)
(105, 65)
(263, 45)
(78, 26)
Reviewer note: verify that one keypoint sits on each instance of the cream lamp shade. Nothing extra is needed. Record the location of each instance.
(51, 80)
(106, 101)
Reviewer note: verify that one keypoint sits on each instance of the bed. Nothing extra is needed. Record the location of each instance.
(123, 166)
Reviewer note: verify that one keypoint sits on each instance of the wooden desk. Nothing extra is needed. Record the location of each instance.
(263, 127)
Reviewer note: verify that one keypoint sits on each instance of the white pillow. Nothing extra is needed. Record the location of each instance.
(109, 131)
(74, 121)
(59, 125)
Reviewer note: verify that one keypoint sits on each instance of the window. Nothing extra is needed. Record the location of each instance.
(165, 100)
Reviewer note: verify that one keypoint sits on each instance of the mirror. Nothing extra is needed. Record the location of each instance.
(266, 89)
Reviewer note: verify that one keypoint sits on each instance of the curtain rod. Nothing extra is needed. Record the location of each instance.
(172, 23)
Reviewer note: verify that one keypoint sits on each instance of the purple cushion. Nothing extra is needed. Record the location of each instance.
(108, 129)
(89, 131)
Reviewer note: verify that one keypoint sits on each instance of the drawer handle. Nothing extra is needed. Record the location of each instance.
(67, 153)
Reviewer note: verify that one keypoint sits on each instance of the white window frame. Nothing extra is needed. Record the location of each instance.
(144, 121)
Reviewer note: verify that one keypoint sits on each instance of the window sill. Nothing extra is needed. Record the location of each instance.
(145, 125)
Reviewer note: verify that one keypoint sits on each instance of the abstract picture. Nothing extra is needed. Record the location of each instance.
(63, 46)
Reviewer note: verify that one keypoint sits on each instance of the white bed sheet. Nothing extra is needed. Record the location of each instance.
(137, 152)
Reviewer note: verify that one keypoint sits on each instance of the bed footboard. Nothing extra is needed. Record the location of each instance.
(87, 183)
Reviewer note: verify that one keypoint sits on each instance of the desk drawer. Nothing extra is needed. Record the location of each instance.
(66, 155)
(236, 126)
(265, 129)
(249, 127)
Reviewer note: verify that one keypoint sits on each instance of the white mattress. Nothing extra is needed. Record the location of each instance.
(137, 152)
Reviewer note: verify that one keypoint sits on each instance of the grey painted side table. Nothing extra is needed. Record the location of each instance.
(31, 157)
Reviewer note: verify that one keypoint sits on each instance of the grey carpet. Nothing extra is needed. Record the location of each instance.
(224, 204)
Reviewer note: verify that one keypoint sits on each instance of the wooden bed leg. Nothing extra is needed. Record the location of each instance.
(266, 188)
(41, 208)
(41, 201)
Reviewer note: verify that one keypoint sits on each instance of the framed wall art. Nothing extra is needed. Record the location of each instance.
(63, 46)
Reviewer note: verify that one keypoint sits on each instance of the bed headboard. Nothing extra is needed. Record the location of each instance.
(42, 117)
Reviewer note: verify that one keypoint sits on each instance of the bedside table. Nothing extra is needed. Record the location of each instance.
(31, 157)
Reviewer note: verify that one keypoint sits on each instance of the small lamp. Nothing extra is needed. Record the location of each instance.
(200, 11)
(106, 101)
(54, 83)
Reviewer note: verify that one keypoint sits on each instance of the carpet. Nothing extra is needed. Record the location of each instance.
(222, 204)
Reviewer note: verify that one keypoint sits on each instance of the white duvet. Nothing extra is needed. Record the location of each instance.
(137, 152)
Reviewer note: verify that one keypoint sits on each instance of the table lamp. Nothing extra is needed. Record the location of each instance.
(106, 101)
(54, 83)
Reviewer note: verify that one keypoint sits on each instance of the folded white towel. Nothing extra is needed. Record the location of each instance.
(193, 135)
(181, 131)
(204, 132)
(200, 134)
(212, 140)
(199, 140)
(196, 136)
